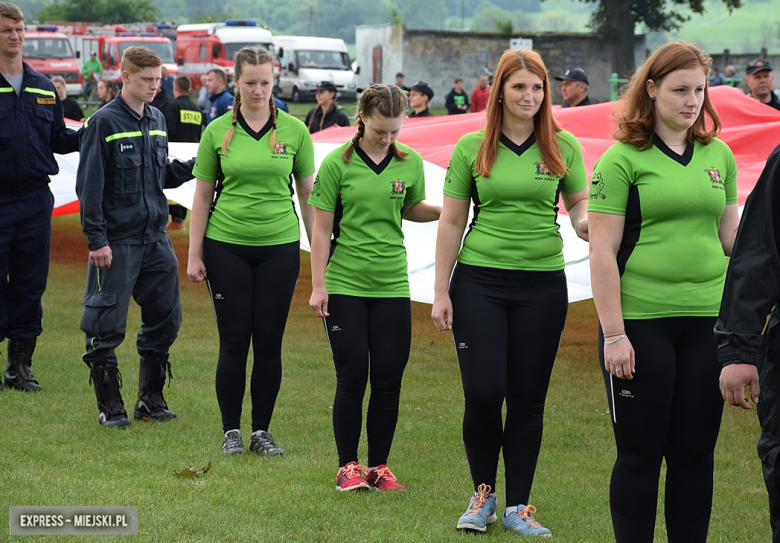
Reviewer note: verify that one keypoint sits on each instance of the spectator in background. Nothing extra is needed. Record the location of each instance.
(479, 98)
(106, 91)
(761, 82)
(399, 81)
(166, 81)
(457, 101)
(326, 114)
(203, 96)
(729, 71)
(574, 88)
(70, 107)
(93, 72)
(420, 95)
(221, 99)
(717, 77)
(281, 105)
(162, 98)
(184, 121)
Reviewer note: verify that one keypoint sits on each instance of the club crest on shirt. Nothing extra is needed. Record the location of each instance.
(397, 187)
(280, 148)
(543, 173)
(596, 186)
(715, 179)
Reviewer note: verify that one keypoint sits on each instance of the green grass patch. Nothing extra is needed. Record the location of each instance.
(54, 452)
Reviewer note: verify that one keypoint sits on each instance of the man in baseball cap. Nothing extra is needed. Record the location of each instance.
(420, 95)
(574, 88)
(761, 82)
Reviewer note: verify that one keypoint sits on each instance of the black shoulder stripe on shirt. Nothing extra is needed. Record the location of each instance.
(632, 229)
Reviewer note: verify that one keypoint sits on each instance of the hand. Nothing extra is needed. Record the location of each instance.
(101, 258)
(319, 302)
(619, 359)
(196, 271)
(442, 312)
(581, 229)
(734, 379)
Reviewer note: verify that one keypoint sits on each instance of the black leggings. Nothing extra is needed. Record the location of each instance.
(251, 289)
(507, 328)
(363, 332)
(670, 409)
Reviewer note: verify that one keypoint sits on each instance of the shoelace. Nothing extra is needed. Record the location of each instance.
(267, 439)
(479, 500)
(526, 515)
(233, 439)
(385, 473)
(354, 470)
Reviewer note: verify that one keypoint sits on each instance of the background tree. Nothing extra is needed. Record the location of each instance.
(616, 20)
(105, 11)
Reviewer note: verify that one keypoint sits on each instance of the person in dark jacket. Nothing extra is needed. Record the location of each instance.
(457, 101)
(162, 99)
(70, 107)
(420, 95)
(32, 129)
(749, 357)
(326, 114)
(120, 179)
(185, 124)
(574, 88)
(106, 91)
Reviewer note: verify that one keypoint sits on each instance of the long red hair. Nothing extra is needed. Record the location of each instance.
(635, 114)
(545, 125)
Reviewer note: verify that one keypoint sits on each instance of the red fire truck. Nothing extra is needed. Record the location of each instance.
(49, 52)
(203, 47)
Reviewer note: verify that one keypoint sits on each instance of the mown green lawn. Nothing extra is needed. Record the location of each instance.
(53, 452)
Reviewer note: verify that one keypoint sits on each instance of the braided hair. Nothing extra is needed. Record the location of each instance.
(254, 56)
(386, 100)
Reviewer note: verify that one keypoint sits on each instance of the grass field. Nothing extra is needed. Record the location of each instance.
(53, 452)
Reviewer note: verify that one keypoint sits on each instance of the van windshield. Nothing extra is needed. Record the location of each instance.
(232, 48)
(161, 48)
(323, 60)
(46, 48)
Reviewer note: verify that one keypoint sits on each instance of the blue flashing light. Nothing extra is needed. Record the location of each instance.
(241, 22)
(46, 28)
(162, 26)
(148, 34)
(123, 34)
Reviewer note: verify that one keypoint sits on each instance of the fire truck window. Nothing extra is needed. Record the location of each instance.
(202, 53)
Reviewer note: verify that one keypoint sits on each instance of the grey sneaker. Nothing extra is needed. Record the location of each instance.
(264, 443)
(233, 443)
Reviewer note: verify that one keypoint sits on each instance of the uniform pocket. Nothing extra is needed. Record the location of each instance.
(128, 178)
(99, 313)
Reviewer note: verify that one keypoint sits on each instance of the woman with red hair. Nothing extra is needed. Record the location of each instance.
(508, 285)
(663, 217)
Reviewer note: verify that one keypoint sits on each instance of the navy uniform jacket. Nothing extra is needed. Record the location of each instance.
(32, 129)
(184, 120)
(121, 175)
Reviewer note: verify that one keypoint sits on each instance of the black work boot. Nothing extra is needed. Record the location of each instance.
(108, 381)
(151, 405)
(18, 374)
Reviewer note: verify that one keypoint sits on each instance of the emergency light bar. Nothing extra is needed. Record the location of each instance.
(241, 22)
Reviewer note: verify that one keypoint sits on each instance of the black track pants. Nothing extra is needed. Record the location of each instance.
(671, 409)
(370, 339)
(251, 288)
(507, 328)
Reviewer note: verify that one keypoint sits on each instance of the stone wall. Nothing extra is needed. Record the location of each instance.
(438, 57)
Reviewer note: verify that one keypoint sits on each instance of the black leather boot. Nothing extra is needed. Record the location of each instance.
(108, 381)
(18, 374)
(151, 405)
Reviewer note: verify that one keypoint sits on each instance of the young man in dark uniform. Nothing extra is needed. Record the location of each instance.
(752, 292)
(185, 124)
(121, 175)
(32, 129)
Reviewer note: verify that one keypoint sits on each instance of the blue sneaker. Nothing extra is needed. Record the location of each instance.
(523, 523)
(481, 511)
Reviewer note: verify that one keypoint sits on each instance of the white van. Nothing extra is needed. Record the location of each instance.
(305, 61)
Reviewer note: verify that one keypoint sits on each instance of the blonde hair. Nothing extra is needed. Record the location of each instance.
(135, 59)
(254, 56)
(386, 100)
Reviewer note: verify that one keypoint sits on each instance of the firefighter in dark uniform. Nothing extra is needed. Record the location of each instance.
(120, 179)
(750, 356)
(185, 124)
(32, 129)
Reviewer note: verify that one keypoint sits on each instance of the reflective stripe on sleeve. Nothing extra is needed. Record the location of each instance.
(44, 92)
(113, 137)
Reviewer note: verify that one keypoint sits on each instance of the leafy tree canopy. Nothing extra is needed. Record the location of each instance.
(108, 11)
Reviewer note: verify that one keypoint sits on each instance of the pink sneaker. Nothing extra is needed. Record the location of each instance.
(350, 477)
(381, 478)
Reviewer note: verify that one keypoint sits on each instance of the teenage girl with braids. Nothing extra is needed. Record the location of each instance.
(247, 229)
(326, 114)
(507, 298)
(359, 277)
